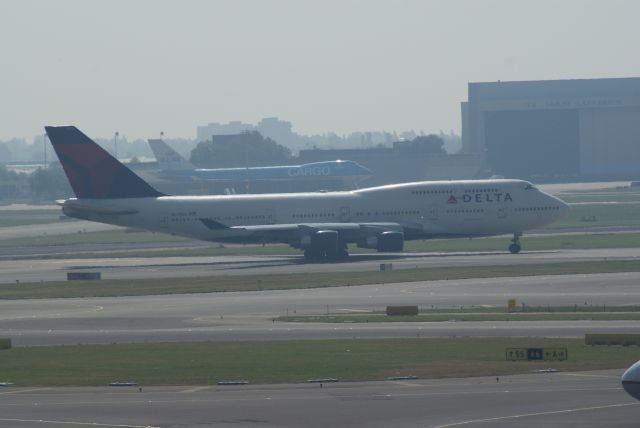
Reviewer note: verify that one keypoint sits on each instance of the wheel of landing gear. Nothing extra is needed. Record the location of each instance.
(337, 255)
(514, 248)
(312, 255)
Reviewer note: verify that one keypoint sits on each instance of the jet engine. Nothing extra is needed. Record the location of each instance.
(631, 381)
(384, 241)
(323, 240)
(323, 244)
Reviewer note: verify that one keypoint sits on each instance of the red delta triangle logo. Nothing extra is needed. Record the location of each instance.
(452, 200)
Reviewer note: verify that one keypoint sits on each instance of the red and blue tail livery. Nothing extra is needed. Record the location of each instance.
(92, 172)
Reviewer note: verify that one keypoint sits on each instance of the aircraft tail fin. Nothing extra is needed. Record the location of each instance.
(92, 172)
(168, 158)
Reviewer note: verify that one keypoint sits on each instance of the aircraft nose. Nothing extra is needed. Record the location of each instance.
(564, 208)
(364, 170)
(631, 381)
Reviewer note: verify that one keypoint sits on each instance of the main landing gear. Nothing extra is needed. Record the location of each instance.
(514, 248)
(321, 254)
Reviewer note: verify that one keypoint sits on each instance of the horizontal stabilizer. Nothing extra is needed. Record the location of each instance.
(95, 209)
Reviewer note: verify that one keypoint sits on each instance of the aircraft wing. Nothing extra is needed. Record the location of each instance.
(350, 232)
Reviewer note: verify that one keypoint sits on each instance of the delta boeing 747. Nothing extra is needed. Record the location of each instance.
(319, 223)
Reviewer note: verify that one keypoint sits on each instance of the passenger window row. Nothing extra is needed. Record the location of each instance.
(431, 192)
(538, 209)
(481, 190)
(478, 210)
(314, 215)
(449, 192)
(399, 212)
(243, 217)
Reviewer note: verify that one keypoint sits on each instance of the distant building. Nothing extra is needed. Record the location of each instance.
(14, 188)
(555, 128)
(278, 130)
(235, 127)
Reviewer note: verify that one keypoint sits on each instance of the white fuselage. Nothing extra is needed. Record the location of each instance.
(423, 210)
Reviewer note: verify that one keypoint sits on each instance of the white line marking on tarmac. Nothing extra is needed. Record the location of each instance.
(397, 382)
(588, 375)
(528, 415)
(196, 389)
(19, 391)
(90, 424)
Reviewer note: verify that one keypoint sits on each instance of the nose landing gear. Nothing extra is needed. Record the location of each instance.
(515, 248)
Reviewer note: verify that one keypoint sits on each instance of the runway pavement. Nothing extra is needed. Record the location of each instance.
(36, 251)
(590, 399)
(593, 399)
(249, 315)
(35, 270)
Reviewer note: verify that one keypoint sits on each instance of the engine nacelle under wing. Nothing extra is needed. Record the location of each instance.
(321, 239)
(384, 241)
(631, 381)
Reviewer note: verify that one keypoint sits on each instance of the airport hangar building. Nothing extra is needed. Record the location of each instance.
(583, 128)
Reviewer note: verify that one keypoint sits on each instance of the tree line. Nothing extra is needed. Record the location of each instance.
(247, 149)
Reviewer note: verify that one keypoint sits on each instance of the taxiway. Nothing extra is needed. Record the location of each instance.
(249, 315)
(588, 400)
(36, 270)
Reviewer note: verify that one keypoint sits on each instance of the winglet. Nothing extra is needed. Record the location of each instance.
(92, 172)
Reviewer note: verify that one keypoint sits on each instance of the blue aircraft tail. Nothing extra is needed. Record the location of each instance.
(92, 172)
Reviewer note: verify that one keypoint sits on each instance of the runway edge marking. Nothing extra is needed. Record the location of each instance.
(192, 390)
(20, 391)
(73, 423)
(588, 375)
(526, 415)
(401, 383)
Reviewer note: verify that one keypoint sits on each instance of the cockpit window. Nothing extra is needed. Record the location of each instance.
(530, 186)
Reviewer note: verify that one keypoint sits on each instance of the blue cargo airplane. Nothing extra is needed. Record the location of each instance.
(175, 166)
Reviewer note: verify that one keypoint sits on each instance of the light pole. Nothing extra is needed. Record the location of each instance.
(115, 144)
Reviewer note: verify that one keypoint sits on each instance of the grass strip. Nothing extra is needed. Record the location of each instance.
(531, 243)
(138, 287)
(80, 237)
(10, 218)
(600, 215)
(490, 309)
(205, 363)
(624, 198)
(443, 317)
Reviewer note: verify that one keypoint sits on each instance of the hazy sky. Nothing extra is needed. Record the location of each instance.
(141, 67)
